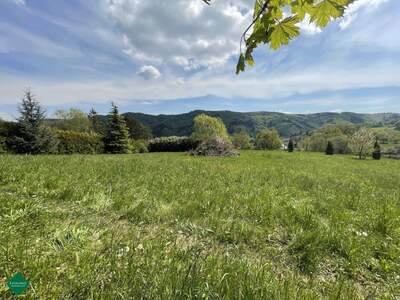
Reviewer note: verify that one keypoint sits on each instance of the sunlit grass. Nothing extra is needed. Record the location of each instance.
(265, 225)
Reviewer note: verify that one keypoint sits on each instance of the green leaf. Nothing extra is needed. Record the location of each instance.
(283, 32)
(249, 58)
(325, 11)
(301, 8)
(240, 65)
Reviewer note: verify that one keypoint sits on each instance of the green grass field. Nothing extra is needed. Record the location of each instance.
(266, 225)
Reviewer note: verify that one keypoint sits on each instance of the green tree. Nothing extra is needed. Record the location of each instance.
(73, 120)
(340, 144)
(137, 130)
(116, 139)
(290, 146)
(96, 124)
(268, 139)
(362, 142)
(377, 151)
(242, 140)
(206, 127)
(329, 148)
(32, 136)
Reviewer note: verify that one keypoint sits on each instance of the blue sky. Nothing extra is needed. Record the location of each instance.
(159, 56)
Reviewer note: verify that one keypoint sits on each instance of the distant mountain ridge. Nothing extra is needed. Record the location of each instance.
(286, 124)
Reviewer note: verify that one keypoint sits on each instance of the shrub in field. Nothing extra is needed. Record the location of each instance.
(362, 142)
(290, 146)
(215, 147)
(377, 151)
(268, 140)
(116, 139)
(172, 144)
(393, 153)
(329, 149)
(138, 146)
(3, 148)
(242, 140)
(71, 142)
(206, 127)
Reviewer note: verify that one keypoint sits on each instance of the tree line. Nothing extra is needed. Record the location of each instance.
(74, 131)
(70, 131)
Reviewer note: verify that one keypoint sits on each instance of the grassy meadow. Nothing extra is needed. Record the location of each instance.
(265, 225)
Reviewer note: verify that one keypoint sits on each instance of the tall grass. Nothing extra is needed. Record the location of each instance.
(266, 225)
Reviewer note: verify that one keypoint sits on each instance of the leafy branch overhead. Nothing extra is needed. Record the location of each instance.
(276, 23)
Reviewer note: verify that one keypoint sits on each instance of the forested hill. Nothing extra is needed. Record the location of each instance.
(287, 124)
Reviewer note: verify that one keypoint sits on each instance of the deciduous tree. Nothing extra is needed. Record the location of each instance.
(73, 119)
(242, 140)
(268, 140)
(206, 127)
(362, 142)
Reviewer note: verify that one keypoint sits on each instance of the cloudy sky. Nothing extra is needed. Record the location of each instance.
(162, 56)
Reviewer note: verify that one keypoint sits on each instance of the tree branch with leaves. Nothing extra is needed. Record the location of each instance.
(277, 22)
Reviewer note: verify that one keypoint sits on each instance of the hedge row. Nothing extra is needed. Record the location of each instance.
(70, 142)
(172, 144)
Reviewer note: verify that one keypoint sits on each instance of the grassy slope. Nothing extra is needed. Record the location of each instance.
(265, 225)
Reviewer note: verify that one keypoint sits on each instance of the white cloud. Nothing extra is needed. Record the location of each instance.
(253, 85)
(354, 9)
(19, 2)
(187, 33)
(149, 72)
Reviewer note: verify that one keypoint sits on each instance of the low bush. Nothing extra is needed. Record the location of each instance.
(71, 142)
(3, 148)
(393, 153)
(138, 146)
(215, 147)
(172, 144)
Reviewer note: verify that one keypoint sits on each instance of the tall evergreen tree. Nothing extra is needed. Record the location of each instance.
(377, 151)
(329, 149)
(116, 139)
(32, 136)
(291, 146)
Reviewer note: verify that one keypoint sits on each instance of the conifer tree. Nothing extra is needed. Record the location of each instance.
(116, 139)
(329, 149)
(377, 151)
(32, 136)
(95, 121)
(291, 146)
